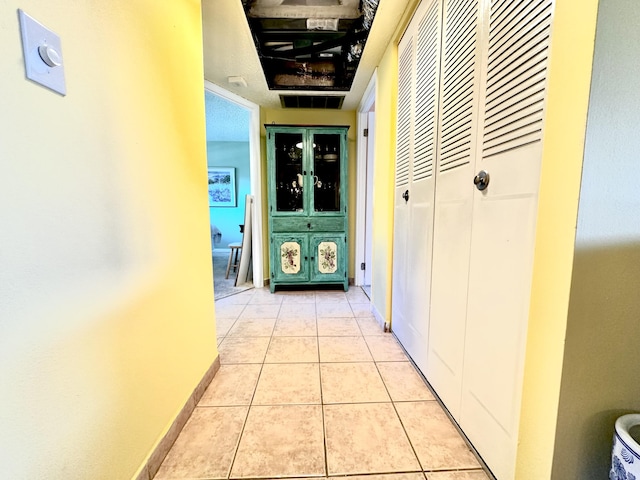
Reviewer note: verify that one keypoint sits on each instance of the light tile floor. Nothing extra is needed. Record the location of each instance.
(310, 386)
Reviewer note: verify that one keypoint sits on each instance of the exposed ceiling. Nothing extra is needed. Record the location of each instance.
(230, 47)
(310, 44)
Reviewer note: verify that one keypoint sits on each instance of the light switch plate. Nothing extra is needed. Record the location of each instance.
(35, 35)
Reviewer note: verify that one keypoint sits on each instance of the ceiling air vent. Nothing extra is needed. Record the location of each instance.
(312, 101)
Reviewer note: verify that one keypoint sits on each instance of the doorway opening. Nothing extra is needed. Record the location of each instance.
(364, 206)
(234, 171)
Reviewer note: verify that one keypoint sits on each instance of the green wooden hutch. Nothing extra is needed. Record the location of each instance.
(307, 205)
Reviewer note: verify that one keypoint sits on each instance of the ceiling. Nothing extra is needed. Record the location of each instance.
(310, 44)
(230, 50)
(226, 121)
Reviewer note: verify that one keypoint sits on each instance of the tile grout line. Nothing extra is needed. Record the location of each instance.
(422, 472)
(324, 426)
(244, 425)
(393, 405)
(437, 400)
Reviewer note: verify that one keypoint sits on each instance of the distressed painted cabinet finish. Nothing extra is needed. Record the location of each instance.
(307, 205)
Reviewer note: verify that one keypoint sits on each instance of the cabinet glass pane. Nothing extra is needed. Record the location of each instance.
(289, 179)
(326, 171)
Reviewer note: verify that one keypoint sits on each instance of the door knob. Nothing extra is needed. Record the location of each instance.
(405, 195)
(481, 180)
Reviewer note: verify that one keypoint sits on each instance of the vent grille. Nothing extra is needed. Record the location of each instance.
(457, 104)
(519, 34)
(428, 56)
(332, 102)
(405, 80)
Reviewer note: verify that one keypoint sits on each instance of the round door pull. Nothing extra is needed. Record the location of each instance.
(481, 180)
(405, 195)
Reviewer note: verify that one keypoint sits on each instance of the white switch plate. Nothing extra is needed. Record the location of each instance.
(34, 35)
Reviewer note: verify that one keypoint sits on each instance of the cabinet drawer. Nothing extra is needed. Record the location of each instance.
(309, 224)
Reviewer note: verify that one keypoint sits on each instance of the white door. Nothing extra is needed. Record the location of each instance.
(401, 320)
(457, 148)
(503, 231)
(416, 147)
(489, 113)
(368, 235)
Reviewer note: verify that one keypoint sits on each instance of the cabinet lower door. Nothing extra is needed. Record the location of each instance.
(328, 261)
(290, 258)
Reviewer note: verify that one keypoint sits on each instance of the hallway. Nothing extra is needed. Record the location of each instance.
(310, 386)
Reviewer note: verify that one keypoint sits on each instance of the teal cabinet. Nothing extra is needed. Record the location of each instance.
(307, 168)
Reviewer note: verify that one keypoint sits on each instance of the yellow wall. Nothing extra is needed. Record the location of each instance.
(601, 363)
(568, 94)
(383, 182)
(316, 117)
(106, 301)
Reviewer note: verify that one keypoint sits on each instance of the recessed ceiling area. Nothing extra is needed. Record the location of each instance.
(230, 51)
(310, 45)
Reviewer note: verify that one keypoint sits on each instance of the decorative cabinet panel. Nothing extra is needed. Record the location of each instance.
(291, 258)
(327, 252)
(307, 205)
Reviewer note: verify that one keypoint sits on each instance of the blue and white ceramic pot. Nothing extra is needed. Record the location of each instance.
(625, 457)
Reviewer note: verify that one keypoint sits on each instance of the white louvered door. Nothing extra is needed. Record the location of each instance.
(459, 102)
(503, 228)
(483, 111)
(418, 88)
(399, 315)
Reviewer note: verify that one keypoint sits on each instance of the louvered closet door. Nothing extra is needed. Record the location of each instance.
(459, 102)
(504, 215)
(416, 146)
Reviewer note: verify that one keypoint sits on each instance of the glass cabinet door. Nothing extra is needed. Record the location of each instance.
(327, 157)
(289, 179)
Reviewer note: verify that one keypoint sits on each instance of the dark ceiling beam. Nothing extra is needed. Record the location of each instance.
(271, 36)
(318, 48)
(299, 24)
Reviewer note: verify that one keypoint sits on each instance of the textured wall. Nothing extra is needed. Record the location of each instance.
(569, 79)
(106, 292)
(602, 358)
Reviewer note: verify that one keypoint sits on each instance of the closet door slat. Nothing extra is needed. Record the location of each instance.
(519, 36)
(458, 82)
(405, 114)
(427, 62)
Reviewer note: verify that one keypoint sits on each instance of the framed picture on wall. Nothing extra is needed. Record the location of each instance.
(222, 187)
